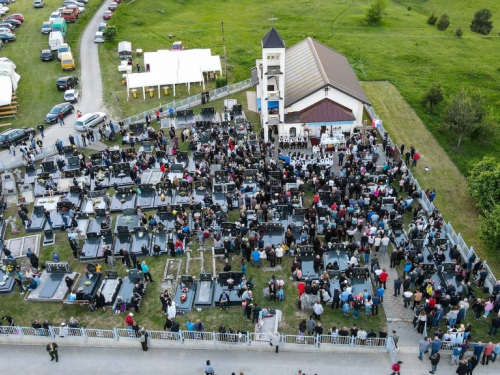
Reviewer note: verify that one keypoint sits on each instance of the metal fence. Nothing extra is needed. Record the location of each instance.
(453, 237)
(191, 101)
(100, 333)
(298, 340)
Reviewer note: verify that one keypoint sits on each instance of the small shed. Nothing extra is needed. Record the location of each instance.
(125, 50)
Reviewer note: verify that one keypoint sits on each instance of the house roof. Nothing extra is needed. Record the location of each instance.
(273, 40)
(325, 110)
(310, 66)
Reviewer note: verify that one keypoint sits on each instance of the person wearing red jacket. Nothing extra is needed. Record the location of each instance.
(396, 368)
(302, 288)
(383, 278)
(129, 320)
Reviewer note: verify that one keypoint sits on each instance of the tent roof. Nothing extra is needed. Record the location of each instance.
(5, 90)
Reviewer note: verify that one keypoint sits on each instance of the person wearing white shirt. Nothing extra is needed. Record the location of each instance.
(407, 298)
(384, 243)
(354, 261)
(362, 335)
(318, 310)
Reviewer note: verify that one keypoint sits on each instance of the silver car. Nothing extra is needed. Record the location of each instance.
(89, 120)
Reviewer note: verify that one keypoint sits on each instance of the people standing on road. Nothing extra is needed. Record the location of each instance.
(209, 370)
(71, 140)
(12, 150)
(144, 339)
(275, 341)
(83, 139)
(52, 348)
(462, 368)
(60, 116)
(396, 368)
(434, 362)
(39, 143)
(41, 128)
(488, 349)
(423, 347)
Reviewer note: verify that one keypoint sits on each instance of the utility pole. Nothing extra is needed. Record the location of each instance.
(224, 44)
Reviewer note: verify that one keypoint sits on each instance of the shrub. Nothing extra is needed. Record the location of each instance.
(220, 82)
(374, 13)
(459, 32)
(444, 22)
(432, 19)
(409, 7)
(433, 97)
(481, 22)
(109, 33)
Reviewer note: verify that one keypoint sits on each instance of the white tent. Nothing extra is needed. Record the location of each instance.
(5, 90)
(9, 80)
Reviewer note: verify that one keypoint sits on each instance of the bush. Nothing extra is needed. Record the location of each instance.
(444, 22)
(433, 97)
(109, 33)
(432, 19)
(374, 13)
(409, 7)
(481, 23)
(459, 32)
(220, 82)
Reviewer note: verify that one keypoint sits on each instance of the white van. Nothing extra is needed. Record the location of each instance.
(55, 40)
(89, 120)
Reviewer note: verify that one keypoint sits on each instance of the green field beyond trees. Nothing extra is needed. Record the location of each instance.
(402, 48)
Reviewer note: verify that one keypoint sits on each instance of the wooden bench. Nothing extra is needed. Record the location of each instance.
(67, 302)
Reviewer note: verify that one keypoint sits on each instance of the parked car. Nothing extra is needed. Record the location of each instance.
(99, 37)
(66, 83)
(46, 55)
(2, 12)
(107, 15)
(54, 15)
(71, 96)
(64, 108)
(4, 9)
(102, 26)
(112, 6)
(15, 16)
(5, 30)
(89, 120)
(13, 22)
(15, 136)
(73, 2)
(6, 25)
(38, 3)
(72, 6)
(6, 37)
(63, 48)
(177, 46)
(46, 27)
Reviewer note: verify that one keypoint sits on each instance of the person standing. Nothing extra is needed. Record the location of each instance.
(145, 271)
(396, 368)
(41, 128)
(84, 139)
(455, 355)
(60, 116)
(71, 140)
(52, 348)
(144, 339)
(209, 370)
(275, 341)
(383, 278)
(488, 349)
(434, 362)
(318, 310)
(423, 347)
(12, 150)
(415, 158)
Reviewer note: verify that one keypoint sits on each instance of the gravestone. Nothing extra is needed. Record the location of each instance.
(49, 237)
(57, 267)
(308, 301)
(27, 192)
(20, 245)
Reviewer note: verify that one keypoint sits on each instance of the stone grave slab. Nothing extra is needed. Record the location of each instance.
(49, 203)
(267, 326)
(19, 246)
(27, 192)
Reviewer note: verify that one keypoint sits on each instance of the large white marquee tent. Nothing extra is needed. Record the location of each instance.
(174, 68)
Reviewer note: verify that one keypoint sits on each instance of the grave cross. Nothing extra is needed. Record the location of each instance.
(272, 19)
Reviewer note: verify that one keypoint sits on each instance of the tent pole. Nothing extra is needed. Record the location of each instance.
(174, 88)
(159, 97)
(143, 93)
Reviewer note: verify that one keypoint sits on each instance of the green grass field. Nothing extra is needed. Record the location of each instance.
(37, 92)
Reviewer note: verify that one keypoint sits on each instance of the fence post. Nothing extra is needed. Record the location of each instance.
(353, 341)
(20, 331)
(115, 333)
(214, 337)
(51, 332)
(248, 338)
(459, 237)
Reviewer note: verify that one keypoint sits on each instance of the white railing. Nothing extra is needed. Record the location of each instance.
(191, 101)
(453, 237)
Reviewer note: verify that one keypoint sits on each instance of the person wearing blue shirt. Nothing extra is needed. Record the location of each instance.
(376, 302)
(435, 346)
(190, 327)
(478, 349)
(145, 271)
(287, 159)
(256, 258)
(380, 293)
(346, 308)
(344, 296)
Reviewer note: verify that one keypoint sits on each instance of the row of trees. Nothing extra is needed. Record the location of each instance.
(484, 185)
(480, 23)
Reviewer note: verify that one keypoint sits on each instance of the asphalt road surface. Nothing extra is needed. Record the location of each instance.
(90, 87)
(85, 360)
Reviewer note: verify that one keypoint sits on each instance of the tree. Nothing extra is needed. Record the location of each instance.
(484, 183)
(109, 33)
(459, 32)
(433, 97)
(481, 22)
(444, 22)
(489, 230)
(374, 13)
(464, 115)
(432, 19)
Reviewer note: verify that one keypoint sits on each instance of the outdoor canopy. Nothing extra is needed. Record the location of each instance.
(173, 68)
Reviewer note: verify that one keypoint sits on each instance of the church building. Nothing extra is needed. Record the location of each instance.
(307, 88)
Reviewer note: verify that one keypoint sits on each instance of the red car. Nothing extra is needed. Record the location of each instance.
(107, 15)
(15, 16)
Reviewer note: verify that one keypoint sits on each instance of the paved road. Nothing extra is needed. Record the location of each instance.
(84, 360)
(90, 86)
